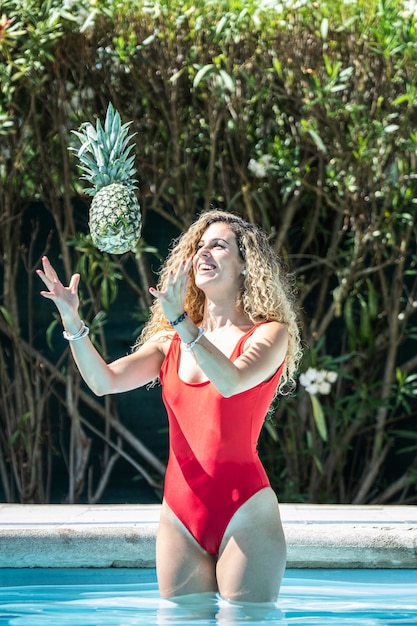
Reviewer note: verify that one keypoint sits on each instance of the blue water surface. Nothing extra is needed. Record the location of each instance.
(123, 597)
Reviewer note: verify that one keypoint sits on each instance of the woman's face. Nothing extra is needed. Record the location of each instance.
(217, 261)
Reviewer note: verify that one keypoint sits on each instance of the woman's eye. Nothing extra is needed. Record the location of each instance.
(215, 244)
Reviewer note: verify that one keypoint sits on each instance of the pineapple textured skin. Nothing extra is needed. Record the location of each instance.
(107, 163)
(115, 219)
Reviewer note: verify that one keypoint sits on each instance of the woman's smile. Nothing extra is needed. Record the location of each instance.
(206, 267)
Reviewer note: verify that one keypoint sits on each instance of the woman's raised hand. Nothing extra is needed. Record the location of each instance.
(65, 298)
(95, 371)
(173, 297)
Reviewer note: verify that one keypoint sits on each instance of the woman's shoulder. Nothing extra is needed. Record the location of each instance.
(265, 346)
(270, 331)
(162, 339)
(267, 326)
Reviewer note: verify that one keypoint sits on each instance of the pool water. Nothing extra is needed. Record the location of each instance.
(125, 597)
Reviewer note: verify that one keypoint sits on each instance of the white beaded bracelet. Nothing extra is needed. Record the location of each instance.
(192, 344)
(83, 332)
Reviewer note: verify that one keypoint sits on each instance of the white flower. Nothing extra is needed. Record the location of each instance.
(410, 9)
(321, 376)
(260, 167)
(324, 388)
(331, 376)
(303, 380)
(312, 389)
(317, 381)
(257, 168)
(308, 377)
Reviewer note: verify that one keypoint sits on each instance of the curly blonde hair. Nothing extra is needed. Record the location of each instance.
(266, 293)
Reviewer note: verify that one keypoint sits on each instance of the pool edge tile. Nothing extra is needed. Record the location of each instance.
(335, 536)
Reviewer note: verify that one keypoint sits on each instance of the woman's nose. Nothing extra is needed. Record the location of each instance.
(203, 251)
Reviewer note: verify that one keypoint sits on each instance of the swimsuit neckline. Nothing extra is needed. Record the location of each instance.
(232, 355)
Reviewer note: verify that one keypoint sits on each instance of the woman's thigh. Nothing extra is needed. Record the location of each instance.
(253, 552)
(182, 565)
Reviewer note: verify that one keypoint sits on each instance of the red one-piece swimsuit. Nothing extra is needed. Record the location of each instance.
(213, 465)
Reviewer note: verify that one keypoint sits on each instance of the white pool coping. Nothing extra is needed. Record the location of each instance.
(318, 536)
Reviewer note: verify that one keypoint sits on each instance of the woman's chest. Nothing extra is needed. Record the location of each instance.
(192, 368)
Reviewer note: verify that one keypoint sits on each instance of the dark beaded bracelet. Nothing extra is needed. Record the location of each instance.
(181, 318)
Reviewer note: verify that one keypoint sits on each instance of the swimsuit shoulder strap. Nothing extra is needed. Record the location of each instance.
(241, 342)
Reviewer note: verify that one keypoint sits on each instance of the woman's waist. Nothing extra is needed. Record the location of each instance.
(217, 467)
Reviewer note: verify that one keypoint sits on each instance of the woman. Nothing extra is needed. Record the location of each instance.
(222, 339)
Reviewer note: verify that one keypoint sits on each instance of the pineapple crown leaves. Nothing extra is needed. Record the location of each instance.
(104, 155)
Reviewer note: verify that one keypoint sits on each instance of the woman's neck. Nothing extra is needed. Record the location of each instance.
(223, 315)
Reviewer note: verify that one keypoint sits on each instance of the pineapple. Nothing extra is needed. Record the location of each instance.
(104, 156)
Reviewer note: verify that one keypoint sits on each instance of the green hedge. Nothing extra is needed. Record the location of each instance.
(301, 117)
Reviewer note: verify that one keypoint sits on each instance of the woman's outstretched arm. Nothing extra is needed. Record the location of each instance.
(126, 373)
